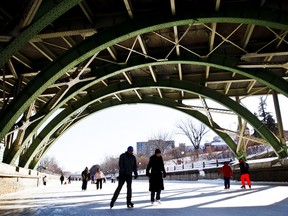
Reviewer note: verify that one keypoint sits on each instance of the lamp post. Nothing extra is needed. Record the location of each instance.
(182, 154)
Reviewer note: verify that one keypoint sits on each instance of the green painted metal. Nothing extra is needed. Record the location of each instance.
(163, 83)
(110, 70)
(214, 61)
(118, 34)
(53, 126)
(50, 13)
(146, 100)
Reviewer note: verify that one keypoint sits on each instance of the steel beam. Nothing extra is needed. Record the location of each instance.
(89, 99)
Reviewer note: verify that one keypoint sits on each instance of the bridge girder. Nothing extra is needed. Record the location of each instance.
(101, 94)
(108, 71)
(120, 33)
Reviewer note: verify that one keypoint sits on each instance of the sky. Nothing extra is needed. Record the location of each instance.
(109, 132)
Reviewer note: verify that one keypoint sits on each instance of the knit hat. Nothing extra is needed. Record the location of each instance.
(157, 151)
(130, 148)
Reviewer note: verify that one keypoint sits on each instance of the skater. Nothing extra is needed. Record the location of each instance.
(69, 180)
(227, 174)
(127, 165)
(45, 180)
(156, 175)
(113, 178)
(85, 177)
(62, 179)
(99, 177)
(244, 172)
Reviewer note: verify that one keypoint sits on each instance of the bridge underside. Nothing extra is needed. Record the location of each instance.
(71, 58)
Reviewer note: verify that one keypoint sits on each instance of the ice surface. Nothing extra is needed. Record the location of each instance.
(197, 198)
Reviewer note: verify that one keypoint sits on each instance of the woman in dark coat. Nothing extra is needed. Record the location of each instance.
(156, 172)
(85, 177)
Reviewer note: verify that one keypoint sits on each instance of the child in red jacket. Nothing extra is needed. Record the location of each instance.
(227, 174)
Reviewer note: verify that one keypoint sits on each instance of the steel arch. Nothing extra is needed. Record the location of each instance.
(175, 84)
(111, 70)
(33, 161)
(51, 12)
(117, 34)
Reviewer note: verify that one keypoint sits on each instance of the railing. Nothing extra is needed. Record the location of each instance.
(199, 165)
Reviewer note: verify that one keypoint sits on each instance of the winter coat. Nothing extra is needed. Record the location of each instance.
(85, 175)
(127, 164)
(244, 167)
(155, 171)
(99, 175)
(226, 170)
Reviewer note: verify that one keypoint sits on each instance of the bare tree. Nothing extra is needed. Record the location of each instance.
(161, 141)
(194, 133)
(110, 165)
(176, 153)
(50, 164)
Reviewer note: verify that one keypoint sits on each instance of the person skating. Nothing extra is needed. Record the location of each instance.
(244, 172)
(227, 174)
(62, 179)
(99, 178)
(85, 178)
(127, 166)
(156, 172)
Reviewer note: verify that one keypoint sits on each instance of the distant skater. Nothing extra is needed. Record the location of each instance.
(45, 180)
(62, 179)
(99, 178)
(85, 177)
(244, 172)
(227, 174)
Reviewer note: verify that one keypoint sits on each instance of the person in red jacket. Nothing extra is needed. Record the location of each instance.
(227, 174)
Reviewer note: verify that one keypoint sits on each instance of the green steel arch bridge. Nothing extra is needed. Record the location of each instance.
(66, 59)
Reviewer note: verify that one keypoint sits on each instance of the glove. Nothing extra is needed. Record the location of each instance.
(164, 175)
(135, 176)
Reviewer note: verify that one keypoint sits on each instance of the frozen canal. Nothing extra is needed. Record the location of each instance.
(199, 198)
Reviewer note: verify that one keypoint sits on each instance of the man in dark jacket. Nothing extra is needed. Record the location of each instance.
(127, 166)
(156, 171)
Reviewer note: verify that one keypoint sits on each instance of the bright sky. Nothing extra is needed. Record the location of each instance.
(109, 132)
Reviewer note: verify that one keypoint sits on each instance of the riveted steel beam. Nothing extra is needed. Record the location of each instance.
(110, 37)
(219, 62)
(145, 100)
(50, 12)
(89, 99)
(51, 128)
